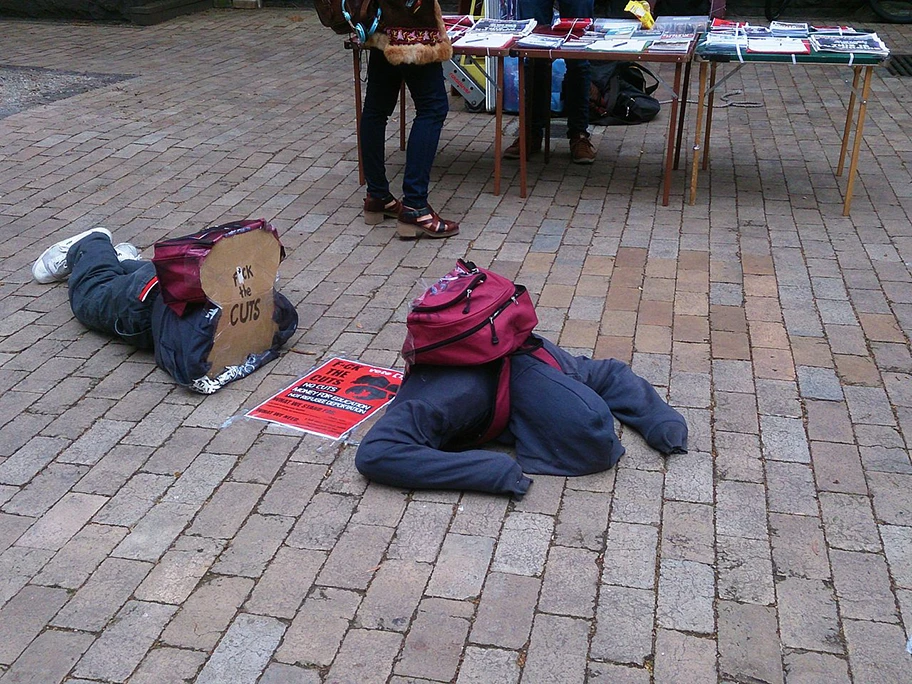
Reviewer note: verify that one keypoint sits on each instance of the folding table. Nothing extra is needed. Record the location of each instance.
(862, 65)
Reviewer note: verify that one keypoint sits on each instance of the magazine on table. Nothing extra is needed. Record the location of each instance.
(540, 41)
(616, 45)
(672, 42)
(514, 27)
(838, 30)
(673, 24)
(492, 41)
(580, 43)
(725, 41)
(618, 32)
(758, 32)
(779, 46)
(604, 25)
(789, 29)
(862, 43)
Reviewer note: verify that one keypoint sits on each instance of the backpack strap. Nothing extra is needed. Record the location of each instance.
(501, 404)
(534, 347)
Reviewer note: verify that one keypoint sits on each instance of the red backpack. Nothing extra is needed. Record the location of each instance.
(469, 317)
(178, 260)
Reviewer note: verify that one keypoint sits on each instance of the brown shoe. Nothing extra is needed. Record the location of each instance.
(416, 223)
(376, 209)
(581, 150)
(533, 146)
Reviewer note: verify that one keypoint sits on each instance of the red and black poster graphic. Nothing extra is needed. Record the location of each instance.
(332, 399)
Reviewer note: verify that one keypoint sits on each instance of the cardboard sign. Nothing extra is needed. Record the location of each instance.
(239, 275)
(332, 399)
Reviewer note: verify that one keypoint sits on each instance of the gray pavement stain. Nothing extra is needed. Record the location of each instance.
(22, 88)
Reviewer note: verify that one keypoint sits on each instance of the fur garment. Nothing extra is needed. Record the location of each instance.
(415, 35)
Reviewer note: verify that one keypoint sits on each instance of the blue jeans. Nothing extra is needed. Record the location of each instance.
(104, 292)
(538, 71)
(426, 85)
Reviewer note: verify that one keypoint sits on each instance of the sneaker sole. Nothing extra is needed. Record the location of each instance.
(47, 276)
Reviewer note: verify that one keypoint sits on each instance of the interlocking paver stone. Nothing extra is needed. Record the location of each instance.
(174, 577)
(459, 572)
(683, 658)
(523, 544)
(244, 652)
(49, 657)
(435, 641)
(557, 649)
(317, 631)
(624, 625)
(206, 613)
(227, 509)
(489, 666)
(747, 646)
(24, 616)
(366, 656)
(125, 642)
(505, 611)
(570, 583)
(807, 615)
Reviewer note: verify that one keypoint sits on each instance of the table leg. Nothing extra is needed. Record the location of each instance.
(356, 63)
(695, 164)
(684, 92)
(856, 144)
(850, 110)
(670, 145)
(709, 114)
(521, 92)
(498, 125)
(548, 118)
(402, 117)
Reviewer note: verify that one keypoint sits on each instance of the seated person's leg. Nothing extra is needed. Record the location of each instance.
(631, 399)
(561, 426)
(105, 296)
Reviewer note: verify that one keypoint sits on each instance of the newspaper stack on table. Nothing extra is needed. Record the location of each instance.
(857, 43)
(495, 33)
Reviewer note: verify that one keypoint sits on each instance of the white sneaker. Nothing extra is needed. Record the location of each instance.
(52, 264)
(126, 251)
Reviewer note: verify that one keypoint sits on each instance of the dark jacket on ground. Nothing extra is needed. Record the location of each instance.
(105, 295)
(561, 423)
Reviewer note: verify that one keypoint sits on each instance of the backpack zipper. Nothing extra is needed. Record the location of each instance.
(476, 281)
(468, 333)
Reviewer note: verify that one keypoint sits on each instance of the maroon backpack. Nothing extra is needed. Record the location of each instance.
(178, 260)
(469, 317)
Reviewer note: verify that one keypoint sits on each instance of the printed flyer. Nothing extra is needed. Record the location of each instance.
(332, 399)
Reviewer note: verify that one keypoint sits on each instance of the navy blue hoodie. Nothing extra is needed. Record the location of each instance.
(561, 423)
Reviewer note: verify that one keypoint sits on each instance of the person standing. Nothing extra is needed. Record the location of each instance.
(576, 85)
(409, 46)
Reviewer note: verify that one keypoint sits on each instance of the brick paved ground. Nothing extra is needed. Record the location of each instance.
(143, 539)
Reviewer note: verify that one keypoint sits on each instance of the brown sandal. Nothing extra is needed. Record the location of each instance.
(376, 209)
(415, 223)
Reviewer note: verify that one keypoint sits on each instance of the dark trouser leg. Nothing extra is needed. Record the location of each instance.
(428, 90)
(383, 83)
(538, 94)
(576, 81)
(104, 293)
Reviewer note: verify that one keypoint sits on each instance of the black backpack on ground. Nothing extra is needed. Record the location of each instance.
(619, 94)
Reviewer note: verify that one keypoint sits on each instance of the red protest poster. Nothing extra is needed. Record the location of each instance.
(331, 399)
